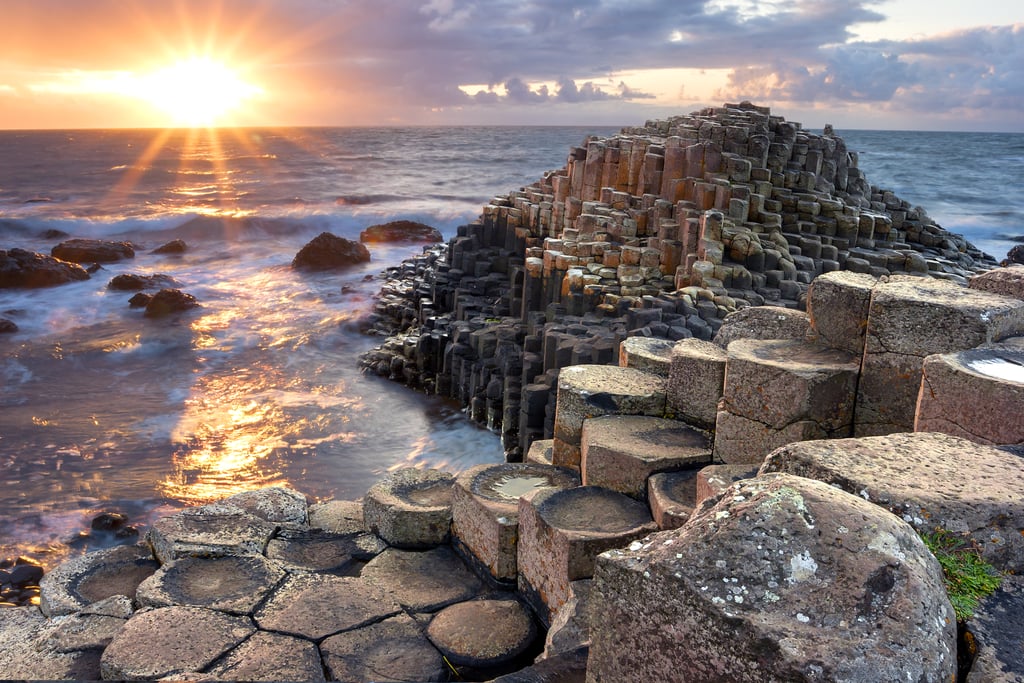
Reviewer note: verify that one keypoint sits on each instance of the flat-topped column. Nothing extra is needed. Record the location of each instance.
(779, 391)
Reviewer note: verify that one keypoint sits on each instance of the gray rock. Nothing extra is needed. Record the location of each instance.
(276, 504)
(411, 508)
(271, 657)
(392, 650)
(209, 530)
(929, 480)
(997, 632)
(77, 583)
(849, 592)
(315, 550)
(422, 581)
(763, 322)
(172, 640)
(314, 606)
(24, 653)
(232, 583)
(1006, 281)
(337, 516)
(77, 632)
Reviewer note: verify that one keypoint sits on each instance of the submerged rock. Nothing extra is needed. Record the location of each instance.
(93, 251)
(172, 247)
(327, 251)
(7, 326)
(130, 282)
(401, 231)
(21, 268)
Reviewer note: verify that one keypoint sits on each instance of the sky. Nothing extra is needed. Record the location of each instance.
(857, 64)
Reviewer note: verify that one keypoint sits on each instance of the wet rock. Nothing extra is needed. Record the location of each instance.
(140, 300)
(231, 584)
(93, 251)
(392, 650)
(314, 606)
(483, 634)
(7, 326)
(401, 231)
(210, 530)
(423, 581)
(849, 593)
(327, 251)
(79, 582)
(130, 282)
(168, 301)
(172, 640)
(411, 508)
(21, 268)
(173, 247)
(271, 657)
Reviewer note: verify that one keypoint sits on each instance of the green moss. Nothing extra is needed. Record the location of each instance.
(969, 578)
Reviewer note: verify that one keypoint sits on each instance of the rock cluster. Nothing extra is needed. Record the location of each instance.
(660, 231)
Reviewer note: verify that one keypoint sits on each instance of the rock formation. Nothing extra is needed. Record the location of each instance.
(327, 251)
(21, 268)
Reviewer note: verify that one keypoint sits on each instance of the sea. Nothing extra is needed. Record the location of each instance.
(104, 410)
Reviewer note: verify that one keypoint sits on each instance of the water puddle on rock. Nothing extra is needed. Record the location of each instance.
(516, 487)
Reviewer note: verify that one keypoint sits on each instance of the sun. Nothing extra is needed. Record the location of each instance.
(196, 92)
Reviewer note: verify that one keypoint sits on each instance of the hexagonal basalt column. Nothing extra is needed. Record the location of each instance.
(649, 354)
(485, 511)
(695, 382)
(621, 451)
(234, 584)
(838, 305)
(976, 394)
(909, 319)
(594, 390)
(561, 533)
(411, 508)
(780, 391)
(672, 496)
(210, 530)
(95, 576)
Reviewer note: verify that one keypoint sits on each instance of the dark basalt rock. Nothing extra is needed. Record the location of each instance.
(172, 247)
(327, 251)
(1015, 255)
(168, 301)
(93, 251)
(130, 282)
(21, 268)
(7, 326)
(140, 300)
(401, 231)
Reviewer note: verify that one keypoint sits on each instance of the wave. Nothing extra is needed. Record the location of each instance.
(364, 199)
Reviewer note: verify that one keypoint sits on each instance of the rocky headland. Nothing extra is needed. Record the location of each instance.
(737, 387)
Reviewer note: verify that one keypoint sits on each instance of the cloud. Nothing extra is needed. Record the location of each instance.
(398, 55)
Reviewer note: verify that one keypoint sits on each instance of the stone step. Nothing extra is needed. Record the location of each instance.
(411, 508)
(780, 391)
(620, 452)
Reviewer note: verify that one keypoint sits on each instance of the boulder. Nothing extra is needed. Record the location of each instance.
(168, 301)
(7, 326)
(1014, 256)
(93, 251)
(130, 282)
(21, 268)
(848, 593)
(327, 251)
(401, 231)
(172, 247)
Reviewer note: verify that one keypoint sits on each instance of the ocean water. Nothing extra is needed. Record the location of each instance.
(104, 410)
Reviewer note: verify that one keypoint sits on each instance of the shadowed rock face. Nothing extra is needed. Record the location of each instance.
(400, 231)
(21, 268)
(728, 596)
(93, 251)
(327, 251)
